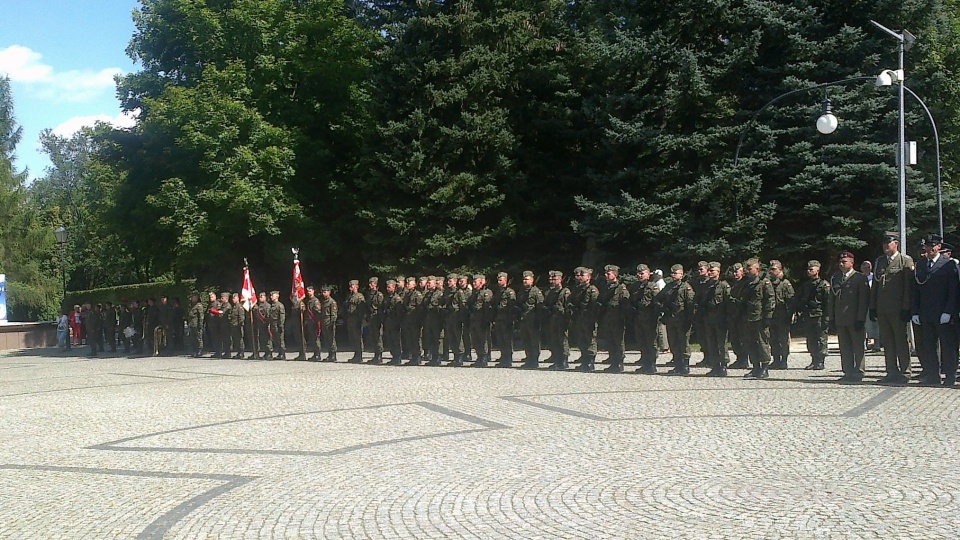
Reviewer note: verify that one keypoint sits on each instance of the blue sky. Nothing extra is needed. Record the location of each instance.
(61, 57)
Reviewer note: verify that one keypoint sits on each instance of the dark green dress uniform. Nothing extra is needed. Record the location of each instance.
(375, 305)
(756, 306)
(356, 314)
(678, 305)
(299, 325)
(613, 303)
(452, 329)
(646, 316)
(584, 299)
(392, 318)
(195, 315)
(480, 317)
(557, 307)
(810, 303)
(849, 302)
(504, 317)
(529, 301)
(261, 329)
(211, 325)
(432, 323)
(463, 319)
(328, 326)
(277, 324)
(312, 313)
(890, 305)
(412, 325)
(699, 283)
(222, 322)
(714, 306)
(783, 294)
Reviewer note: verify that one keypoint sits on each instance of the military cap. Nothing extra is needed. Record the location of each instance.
(587, 271)
(946, 248)
(676, 268)
(703, 264)
(846, 255)
(579, 271)
(463, 277)
(612, 268)
(713, 265)
(555, 273)
(224, 294)
(411, 279)
(311, 288)
(374, 279)
(502, 275)
(813, 263)
(736, 266)
(891, 236)
(931, 240)
(776, 264)
(479, 276)
(422, 278)
(752, 261)
(275, 292)
(327, 288)
(642, 268)
(527, 273)
(452, 275)
(353, 282)
(391, 282)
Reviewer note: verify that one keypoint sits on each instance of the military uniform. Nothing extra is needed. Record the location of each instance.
(480, 317)
(412, 325)
(890, 306)
(557, 307)
(849, 301)
(356, 313)
(646, 317)
(110, 326)
(312, 326)
(236, 317)
(529, 300)
(504, 316)
(432, 323)
(91, 319)
(137, 322)
(223, 323)
(613, 302)
(195, 325)
(677, 301)
(328, 326)
(934, 305)
(736, 326)
(584, 299)
(260, 342)
(211, 324)
(714, 307)
(811, 303)
(374, 306)
(277, 318)
(392, 318)
(783, 294)
(126, 320)
(452, 327)
(699, 284)
(756, 307)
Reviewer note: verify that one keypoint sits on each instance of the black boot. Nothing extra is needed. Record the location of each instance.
(377, 359)
(741, 363)
(718, 371)
(763, 372)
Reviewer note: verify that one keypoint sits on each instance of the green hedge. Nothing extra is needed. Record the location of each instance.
(137, 291)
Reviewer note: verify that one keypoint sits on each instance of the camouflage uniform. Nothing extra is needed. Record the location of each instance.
(504, 318)
(556, 303)
(584, 299)
(613, 302)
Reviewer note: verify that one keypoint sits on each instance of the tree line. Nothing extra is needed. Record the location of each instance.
(479, 135)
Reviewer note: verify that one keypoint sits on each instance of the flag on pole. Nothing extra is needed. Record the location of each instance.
(247, 293)
(297, 288)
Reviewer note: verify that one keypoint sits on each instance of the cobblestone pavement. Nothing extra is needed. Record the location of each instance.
(177, 447)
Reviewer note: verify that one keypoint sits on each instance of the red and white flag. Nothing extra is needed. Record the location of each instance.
(247, 293)
(297, 288)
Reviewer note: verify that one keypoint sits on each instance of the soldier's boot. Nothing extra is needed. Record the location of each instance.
(563, 364)
(480, 363)
(648, 368)
(718, 371)
(754, 373)
(586, 364)
(331, 357)
(377, 359)
(741, 363)
(434, 360)
(357, 358)
(763, 372)
(616, 366)
(415, 361)
(395, 360)
(505, 361)
(457, 361)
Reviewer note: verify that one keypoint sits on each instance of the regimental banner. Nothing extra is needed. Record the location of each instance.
(3, 298)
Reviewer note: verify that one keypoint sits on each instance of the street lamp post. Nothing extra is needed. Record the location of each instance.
(885, 79)
(61, 234)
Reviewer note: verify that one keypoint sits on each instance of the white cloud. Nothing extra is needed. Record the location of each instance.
(72, 125)
(24, 65)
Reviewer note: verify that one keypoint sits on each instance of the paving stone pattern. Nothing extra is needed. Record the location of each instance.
(177, 447)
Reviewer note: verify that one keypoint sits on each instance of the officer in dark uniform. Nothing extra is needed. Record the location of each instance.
(698, 285)
(375, 319)
(312, 313)
(222, 321)
(849, 302)
(235, 318)
(529, 301)
(277, 324)
(584, 299)
(412, 324)
(210, 324)
(714, 306)
(890, 307)
(556, 303)
(463, 318)
(261, 328)
(646, 317)
(756, 307)
(392, 318)
(934, 307)
(452, 328)
(328, 323)
(504, 316)
(613, 302)
(677, 302)
(735, 327)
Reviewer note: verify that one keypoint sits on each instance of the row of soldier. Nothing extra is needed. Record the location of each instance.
(460, 319)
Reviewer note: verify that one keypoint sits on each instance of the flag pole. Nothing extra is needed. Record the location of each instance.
(253, 340)
(296, 263)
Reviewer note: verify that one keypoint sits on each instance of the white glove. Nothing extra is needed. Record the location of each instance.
(944, 318)
(916, 320)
